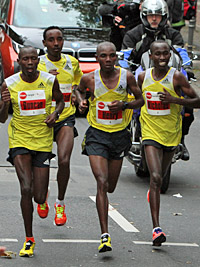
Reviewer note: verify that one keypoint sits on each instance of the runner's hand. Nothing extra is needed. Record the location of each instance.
(5, 96)
(53, 72)
(51, 119)
(115, 106)
(83, 106)
(165, 96)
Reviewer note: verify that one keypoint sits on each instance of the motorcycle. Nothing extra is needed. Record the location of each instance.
(136, 155)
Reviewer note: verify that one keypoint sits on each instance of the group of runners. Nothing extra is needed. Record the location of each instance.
(42, 97)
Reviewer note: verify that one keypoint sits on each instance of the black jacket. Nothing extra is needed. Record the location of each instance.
(139, 39)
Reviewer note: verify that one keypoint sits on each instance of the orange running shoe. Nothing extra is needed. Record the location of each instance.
(159, 236)
(43, 210)
(60, 216)
(148, 195)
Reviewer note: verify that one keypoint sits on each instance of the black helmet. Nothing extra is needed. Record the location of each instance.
(154, 7)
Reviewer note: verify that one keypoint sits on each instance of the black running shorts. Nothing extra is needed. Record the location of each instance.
(108, 145)
(158, 145)
(39, 159)
(69, 121)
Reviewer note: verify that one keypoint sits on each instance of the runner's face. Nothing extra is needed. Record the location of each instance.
(107, 58)
(160, 55)
(28, 61)
(154, 20)
(54, 42)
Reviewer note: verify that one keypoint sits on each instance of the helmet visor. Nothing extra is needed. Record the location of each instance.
(154, 7)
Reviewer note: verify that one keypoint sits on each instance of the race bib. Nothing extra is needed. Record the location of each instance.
(154, 105)
(66, 90)
(32, 102)
(104, 116)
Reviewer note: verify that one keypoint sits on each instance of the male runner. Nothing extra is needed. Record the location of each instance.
(66, 69)
(107, 139)
(161, 122)
(31, 133)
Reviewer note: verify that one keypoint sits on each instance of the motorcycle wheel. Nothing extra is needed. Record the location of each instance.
(142, 169)
(166, 180)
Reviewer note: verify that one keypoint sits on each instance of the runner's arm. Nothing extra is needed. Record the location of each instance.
(4, 103)
(80, 92)
(57, 95)
(181, 84)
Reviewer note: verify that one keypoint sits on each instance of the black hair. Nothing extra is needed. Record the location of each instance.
(105, 44)
(51, 28)
(158, 42)
(25, 47)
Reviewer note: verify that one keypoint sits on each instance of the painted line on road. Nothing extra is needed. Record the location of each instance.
(119, 219)
(69, 241)
(168, 244)
(8, 240)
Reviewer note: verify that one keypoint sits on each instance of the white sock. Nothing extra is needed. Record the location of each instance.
(59, 202)
(158, 227)
(105, 234)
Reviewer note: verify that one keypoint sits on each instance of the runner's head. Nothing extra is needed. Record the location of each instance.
(160, 53)
(53, 40)
(28, 60)
(106, 56)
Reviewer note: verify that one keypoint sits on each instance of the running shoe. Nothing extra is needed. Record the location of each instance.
(27, 250)
(60, 216)
(159, 237)
(148, 195)
(105, 244)
(43, 210)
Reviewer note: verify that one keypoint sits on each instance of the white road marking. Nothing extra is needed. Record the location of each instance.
(167, 244)
(8, 240)
(119, 219)
(69, 241)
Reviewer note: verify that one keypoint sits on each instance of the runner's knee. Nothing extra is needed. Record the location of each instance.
(40, 199)
(102, 184)
(64, 163)
(156, 180)
(26, 191)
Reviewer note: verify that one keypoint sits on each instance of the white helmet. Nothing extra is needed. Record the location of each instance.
(154, 7)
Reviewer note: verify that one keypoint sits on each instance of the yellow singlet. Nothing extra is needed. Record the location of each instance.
(31, 104)
(160, 122)
(69, 75)
(99, 115)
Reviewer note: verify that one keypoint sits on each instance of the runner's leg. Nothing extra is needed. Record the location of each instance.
(23, 166)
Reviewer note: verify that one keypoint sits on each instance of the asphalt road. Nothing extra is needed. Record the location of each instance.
(76, 243)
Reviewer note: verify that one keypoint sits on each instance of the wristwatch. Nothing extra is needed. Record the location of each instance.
(125, 105)
(58, 115)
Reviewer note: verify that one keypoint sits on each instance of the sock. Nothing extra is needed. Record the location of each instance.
(158, 227)
(104, 234)
(59, 202)
(30, 238)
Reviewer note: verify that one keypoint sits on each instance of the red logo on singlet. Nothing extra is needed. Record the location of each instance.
(23, 95)
(101, 105)
(148, 95)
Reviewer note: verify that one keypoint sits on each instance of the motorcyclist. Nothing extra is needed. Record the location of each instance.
(154, 16)
(121, 16)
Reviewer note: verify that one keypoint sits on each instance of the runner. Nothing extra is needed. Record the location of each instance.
(31, 134)
(161, 122)
(66, 69)
(107, 140)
